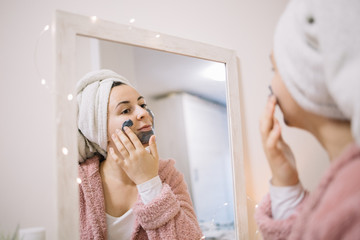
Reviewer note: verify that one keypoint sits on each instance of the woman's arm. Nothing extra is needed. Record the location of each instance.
(284, 174)
(279, 155)
(170, 215)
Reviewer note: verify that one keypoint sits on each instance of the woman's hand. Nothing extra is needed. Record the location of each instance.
(278, 153)
(137, 162)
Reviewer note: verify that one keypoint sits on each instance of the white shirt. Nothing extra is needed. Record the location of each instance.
(122, 227)
(284, 200)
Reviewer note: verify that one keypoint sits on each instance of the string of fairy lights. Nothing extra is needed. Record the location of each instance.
(44, 82)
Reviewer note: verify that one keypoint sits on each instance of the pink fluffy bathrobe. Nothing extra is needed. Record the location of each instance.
(331, 212)
(169, 216)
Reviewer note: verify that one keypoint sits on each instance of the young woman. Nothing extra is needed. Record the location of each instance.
(316, 84)
(126, 192)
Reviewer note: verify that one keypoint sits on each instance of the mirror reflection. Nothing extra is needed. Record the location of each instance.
(188, 99)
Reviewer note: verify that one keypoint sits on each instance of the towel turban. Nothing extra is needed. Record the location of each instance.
(317, 51)
(93, 92)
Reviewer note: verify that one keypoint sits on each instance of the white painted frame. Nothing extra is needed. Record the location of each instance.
(67, 27)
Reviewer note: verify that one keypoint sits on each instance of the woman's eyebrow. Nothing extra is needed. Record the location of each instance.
(126, 102)
(123, 102)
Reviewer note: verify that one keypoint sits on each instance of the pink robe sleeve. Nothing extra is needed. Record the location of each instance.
(92, 205)
(274, 229)
(170, 215)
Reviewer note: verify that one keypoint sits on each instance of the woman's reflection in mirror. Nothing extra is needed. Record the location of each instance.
(126, 191)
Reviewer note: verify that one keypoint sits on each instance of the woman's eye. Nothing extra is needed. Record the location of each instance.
(126, 111)
(143, 105)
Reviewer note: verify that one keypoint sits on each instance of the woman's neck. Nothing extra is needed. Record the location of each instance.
(334, 135)
(120, 192)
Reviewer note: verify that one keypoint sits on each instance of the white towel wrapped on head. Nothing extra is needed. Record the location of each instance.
(93, 92)
(317, 52)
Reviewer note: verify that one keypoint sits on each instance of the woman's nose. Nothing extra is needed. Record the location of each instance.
(141, 112)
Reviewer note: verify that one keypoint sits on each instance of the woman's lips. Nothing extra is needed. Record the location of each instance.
(145, 128)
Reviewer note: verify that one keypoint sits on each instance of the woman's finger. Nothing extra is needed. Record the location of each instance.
(134, 139)
(153, 147)
(119, 145)
(266, 121)
(116, 158)
(274, 136)
(117, 142)
(125, 141)
(276, 122)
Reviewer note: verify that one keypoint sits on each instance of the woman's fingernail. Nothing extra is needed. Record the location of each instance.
(273, 99)
(113, 136)
(117, 130)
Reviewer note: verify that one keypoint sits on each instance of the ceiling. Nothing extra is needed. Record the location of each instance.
(160, 73)
(156, 73)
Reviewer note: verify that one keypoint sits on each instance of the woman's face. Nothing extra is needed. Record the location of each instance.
(126, 103)
(293, 113)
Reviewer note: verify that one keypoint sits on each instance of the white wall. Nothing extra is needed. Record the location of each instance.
(175, 145)
(27, 139)
(207, 139)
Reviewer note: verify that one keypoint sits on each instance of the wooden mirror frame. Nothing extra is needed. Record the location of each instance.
(67, 27)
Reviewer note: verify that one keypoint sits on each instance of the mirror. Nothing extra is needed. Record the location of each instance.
(187, 96)
(193, 91)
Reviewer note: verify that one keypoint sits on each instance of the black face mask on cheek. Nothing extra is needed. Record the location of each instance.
(144, 137)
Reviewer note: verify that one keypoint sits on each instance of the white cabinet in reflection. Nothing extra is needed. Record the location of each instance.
(194, 132)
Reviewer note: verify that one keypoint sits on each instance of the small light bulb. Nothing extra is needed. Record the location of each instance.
(225, 204)
(256, 206)
(93, 18)
(43, 81)
(47, 27)
(70, 97)
(132, 20)
(65, 151)
(78, 180)
(157, 35)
